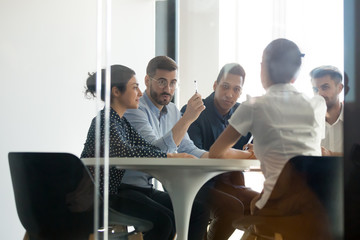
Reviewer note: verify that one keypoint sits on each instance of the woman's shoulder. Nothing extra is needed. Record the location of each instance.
(252, 102)
(126, 122)
(127, 125)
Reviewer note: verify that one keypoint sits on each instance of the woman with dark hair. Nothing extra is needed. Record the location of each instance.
(145, 203)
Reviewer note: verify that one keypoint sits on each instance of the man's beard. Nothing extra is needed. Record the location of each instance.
(330, 103)
(157, 97)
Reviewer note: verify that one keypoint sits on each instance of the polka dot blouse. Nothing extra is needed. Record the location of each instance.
(125, 141)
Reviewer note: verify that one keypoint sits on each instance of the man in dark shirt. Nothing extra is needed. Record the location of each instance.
(220, 105)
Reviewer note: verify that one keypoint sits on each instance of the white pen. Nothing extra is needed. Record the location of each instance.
(195, 83)
(250, 139)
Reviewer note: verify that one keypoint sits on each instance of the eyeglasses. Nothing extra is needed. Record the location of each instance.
(163, 83)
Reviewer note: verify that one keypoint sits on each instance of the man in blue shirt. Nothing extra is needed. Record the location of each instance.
(160, 122)
(157, 119)
(220, 105)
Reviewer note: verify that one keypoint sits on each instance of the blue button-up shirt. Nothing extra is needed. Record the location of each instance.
(156, 127)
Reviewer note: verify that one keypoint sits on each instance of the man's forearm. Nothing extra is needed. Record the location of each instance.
(338, 154)
(194, 107)
(179, 130)
(205, 155)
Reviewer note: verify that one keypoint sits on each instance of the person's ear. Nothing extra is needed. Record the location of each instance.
(115, 92)
(214, 85)
(147, 81)
(340, 87)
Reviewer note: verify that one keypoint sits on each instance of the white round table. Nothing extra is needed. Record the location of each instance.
(182, 178)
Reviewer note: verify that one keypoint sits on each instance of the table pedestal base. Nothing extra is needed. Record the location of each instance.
(182, 187)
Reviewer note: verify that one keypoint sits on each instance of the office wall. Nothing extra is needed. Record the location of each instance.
(46, 50)
(198, 47)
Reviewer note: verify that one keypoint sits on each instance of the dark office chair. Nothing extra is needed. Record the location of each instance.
(54, 197)
(303, 178)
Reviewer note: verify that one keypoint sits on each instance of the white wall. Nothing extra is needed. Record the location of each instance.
(46, 50)
(198, 47)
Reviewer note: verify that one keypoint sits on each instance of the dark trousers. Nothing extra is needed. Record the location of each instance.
(227, 200)
(156, 207)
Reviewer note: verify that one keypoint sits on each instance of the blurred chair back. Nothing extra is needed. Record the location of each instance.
(41, 183)
(324, 175)
(54, 196)
(306, 202)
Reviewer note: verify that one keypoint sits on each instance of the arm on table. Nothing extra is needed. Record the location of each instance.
(222, 146)
(180, 155)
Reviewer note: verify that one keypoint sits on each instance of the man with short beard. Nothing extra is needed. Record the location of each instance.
(160, 122)
(327, 82)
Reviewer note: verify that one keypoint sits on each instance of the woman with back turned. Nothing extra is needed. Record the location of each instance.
(285, 123)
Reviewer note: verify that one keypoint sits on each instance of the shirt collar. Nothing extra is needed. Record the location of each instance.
(114, 115)
(341, 117)
(211, 106)
(280, 87)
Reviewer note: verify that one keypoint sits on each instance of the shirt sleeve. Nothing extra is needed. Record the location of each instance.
(242, 119)
(320, 113)
(188, 146)
(142, 123)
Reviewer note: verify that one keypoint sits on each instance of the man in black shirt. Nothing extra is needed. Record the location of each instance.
(220, 105)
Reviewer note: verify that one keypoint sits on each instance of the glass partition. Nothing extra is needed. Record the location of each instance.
(48, 49)
(213, 33)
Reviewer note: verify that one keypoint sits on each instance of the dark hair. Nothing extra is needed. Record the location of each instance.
(322, 71)
(160, 62)
(233, 68)
(283, 60)
(120, 76)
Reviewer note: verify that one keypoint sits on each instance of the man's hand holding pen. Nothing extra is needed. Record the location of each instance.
(194, 107)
